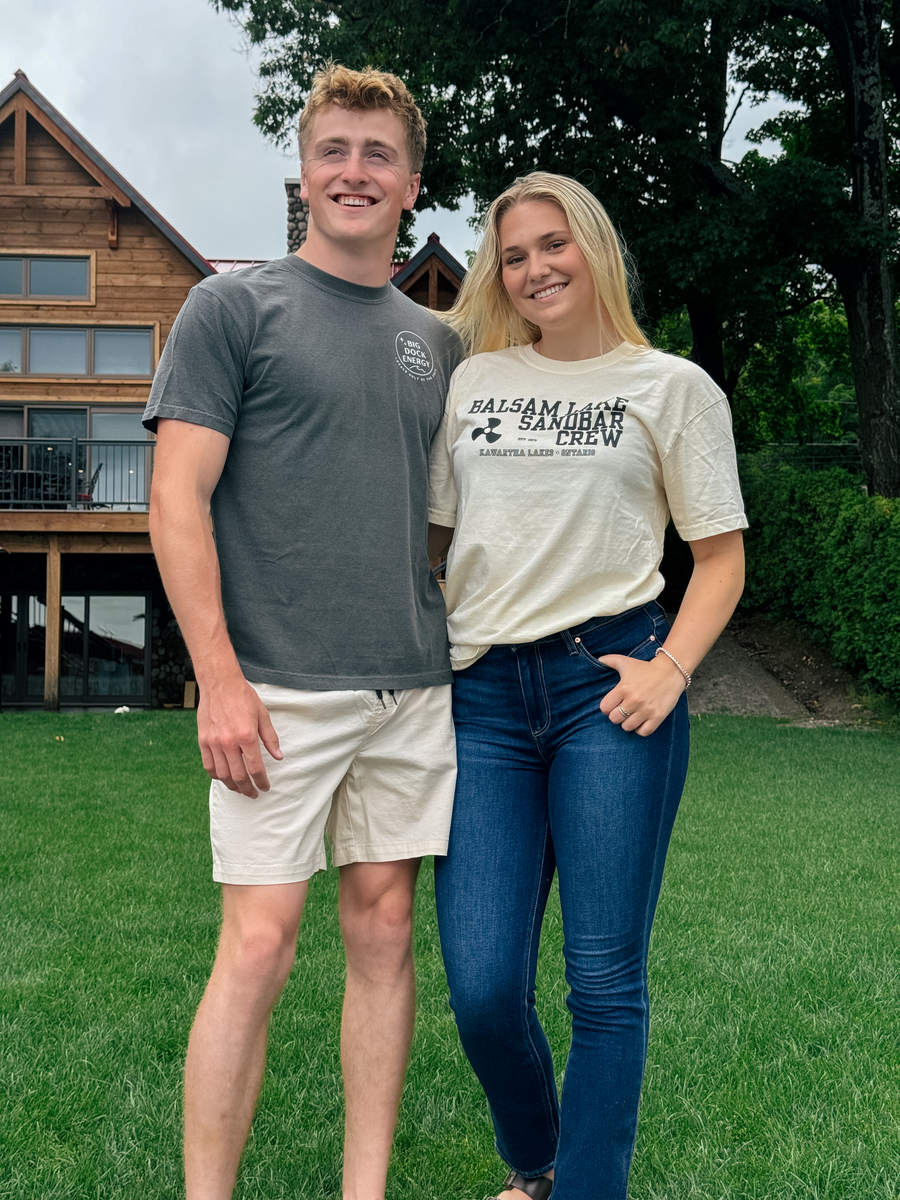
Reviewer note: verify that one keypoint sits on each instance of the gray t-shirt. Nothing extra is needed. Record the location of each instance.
(331, 394)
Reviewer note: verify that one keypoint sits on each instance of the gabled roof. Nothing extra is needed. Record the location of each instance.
(107, 176)
(432, 247)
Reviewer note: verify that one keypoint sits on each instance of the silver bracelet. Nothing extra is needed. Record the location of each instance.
(687, 678)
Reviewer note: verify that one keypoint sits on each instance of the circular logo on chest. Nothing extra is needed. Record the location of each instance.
(414, 355)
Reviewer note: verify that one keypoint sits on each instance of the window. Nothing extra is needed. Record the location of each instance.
(64, 350)
(104, 647)
(12, 277)
(104, 650)
(57, 423)
(10, 351)
(122, 352)
(11, 422)
(123, 479)
(57, 351)
(44, 277)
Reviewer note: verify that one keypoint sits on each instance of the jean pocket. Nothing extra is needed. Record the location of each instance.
(597, 644)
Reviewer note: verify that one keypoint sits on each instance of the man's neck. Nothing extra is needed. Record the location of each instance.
(367, 265)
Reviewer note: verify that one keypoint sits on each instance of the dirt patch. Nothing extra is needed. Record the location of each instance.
(730, 681)
(805, 672)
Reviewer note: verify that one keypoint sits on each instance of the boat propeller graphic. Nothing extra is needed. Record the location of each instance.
(489, 435)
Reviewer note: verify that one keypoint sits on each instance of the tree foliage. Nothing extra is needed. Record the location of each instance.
(632, 97)
(840, 60)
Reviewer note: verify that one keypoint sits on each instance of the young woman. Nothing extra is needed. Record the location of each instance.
(567, 443)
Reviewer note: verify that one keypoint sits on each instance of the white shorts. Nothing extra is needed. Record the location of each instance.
(376, 771)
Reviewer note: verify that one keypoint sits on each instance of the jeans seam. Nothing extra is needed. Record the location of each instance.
(536, 733)
(673, 739)
(548, 1106)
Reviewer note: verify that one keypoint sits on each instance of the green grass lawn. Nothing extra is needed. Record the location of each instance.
(774, 1064)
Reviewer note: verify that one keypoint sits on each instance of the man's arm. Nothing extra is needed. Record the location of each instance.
(231, 719)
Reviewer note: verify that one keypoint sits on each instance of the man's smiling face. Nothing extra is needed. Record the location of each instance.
(355, 175)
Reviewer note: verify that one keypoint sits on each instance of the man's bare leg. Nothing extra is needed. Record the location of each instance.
(379, 1010)
(227, 1048)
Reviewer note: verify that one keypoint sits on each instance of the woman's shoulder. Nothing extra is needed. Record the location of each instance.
(676, 368)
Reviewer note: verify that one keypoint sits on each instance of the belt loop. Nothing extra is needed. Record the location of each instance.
(658, 616)
(570, 641)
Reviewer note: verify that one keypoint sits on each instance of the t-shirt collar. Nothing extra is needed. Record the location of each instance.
(339, 287)
(555, 366)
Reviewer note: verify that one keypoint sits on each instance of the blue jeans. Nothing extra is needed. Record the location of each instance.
(547, 782)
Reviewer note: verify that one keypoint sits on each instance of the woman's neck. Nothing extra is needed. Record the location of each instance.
(568, 344)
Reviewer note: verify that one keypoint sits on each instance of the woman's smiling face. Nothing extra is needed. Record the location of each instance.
(543, 270)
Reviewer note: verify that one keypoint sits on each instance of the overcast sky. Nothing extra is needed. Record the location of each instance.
(164, 90)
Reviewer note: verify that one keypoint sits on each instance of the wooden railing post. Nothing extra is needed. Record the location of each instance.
(52, 626)
(73, 474)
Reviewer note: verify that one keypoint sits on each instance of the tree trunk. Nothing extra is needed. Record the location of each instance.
(704, 314)
(854, 28)
(706, 328)
(866, 290)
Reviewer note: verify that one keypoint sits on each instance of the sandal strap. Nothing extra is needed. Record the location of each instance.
(538, 1189)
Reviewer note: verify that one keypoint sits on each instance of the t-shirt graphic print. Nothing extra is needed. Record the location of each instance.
(576, 430)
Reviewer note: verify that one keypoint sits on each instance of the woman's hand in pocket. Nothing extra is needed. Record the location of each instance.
(647, 692)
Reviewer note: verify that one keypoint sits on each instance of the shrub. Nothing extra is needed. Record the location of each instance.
(819, 550)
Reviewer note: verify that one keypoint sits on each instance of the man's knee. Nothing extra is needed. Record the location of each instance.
(261, 950)
(259, 940)
(377, 912)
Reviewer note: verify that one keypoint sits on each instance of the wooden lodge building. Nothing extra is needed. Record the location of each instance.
(91, 280)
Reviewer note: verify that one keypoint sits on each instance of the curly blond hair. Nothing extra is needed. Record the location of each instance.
(364, 89)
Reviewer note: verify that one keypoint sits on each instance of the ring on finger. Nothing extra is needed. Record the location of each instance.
(624, 711)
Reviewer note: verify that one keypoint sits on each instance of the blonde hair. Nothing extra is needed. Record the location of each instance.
(484, 315)
(361, 90)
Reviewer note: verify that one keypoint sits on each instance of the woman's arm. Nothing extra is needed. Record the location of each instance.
(648, 691)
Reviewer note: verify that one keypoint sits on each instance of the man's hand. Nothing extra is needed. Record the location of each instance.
(231, 723)
(648, 691)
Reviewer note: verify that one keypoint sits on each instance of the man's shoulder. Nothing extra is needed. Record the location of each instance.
(247, 283)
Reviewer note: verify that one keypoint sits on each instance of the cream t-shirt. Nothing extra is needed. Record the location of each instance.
(559, 478)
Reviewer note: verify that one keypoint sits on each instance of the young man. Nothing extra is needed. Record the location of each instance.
(295, 403)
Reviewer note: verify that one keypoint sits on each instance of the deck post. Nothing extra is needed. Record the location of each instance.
(52, 629)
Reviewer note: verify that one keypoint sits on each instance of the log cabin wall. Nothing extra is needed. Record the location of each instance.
(59, 198)
(143, 281)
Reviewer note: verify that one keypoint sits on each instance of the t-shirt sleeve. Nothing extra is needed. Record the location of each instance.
(701, 477)
(200, 376)
(442, 499)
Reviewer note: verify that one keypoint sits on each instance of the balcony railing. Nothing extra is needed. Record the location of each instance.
(75, 473)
